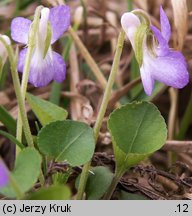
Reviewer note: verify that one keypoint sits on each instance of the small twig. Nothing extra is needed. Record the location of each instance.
(186, 159)
(178, 146)
(167, 183)
(122, 91)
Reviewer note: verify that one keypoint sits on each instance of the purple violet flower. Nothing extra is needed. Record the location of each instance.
(4, 174)
(43, 69)
(164, 64)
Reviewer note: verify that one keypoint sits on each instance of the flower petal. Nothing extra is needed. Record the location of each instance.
(59, 67)
(163, 47)
(59, 18)
(3, 53)
(4, 174)
(41, 70)
(43, 23)
(20, 29)
(21, 60)
(170, 69)
(147, 79)
(165, 25)
(130, 22)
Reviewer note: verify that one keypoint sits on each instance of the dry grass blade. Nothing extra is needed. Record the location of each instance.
(74, 80)
(180, 11)
(178, 146)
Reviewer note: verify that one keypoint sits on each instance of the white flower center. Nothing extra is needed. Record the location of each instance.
(42, 32)
(43, 24)
(39, 61)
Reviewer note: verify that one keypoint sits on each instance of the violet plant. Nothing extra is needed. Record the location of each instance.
(38, 62)
(72, 143)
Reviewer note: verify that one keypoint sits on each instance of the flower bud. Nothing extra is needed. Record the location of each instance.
(78, 16)
(3, 51)
(6, 38)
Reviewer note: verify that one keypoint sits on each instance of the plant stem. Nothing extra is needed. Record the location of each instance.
(186, 120)
(15, 187)
(41, 178)
(31, 44)
(89, 59)
(83, 180)
(113, 185)
(21, 105)
(19, 96)
(106, 97)
(130, 5)
(110, 83)
(55, 92)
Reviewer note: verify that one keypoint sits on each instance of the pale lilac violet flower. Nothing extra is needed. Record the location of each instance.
(4, 174)
(160, 62)
(43, 69)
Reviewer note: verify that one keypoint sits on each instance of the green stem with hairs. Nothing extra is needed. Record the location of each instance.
(20, 99)
(16, 83)
(31, 44)
(102, 110)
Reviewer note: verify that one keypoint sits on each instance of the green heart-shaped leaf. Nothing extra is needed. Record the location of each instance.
(137, 130)
(68, 141)
(98, 182)
(26, 172)
(54, 192)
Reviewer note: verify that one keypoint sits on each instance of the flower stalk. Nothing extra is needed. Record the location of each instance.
(15, 187)
(102, 110)
(19, 96)
(31, 44)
